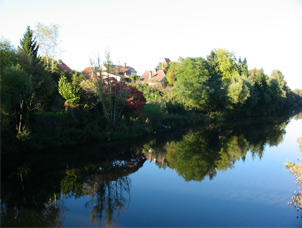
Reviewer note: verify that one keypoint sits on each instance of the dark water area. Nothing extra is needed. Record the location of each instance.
(221, 175)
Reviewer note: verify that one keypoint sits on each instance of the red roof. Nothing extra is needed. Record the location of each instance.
(64, 67)
(123, 69)
(88, 71)
(155, 76)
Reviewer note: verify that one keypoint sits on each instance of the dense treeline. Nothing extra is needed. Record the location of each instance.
(45, 106)
(222, 84)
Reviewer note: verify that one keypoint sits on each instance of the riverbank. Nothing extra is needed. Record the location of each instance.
(57, 129)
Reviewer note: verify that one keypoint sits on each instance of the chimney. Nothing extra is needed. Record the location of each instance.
(125, 65)
(150, 74)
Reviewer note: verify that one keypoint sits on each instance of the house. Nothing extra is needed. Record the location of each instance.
(126, 70)
(118, 72)
(89, 72)
(117, 77)
(63, 66)
(153, 77)
(92, 72)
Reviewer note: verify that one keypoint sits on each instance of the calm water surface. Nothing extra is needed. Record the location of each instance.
(227, 175)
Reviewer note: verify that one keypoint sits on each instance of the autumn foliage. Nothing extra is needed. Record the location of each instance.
(131, 98)
(136, 101)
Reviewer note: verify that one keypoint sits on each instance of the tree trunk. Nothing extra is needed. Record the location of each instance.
(52, 63)
(20, 116)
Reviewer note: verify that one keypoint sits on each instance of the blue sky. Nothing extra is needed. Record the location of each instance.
(143, 32)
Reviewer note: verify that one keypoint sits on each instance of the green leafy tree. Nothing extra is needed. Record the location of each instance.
(224, 63)
(237, 92)
(162, 66)
(28, 43)
(280, 94)
(43, 84)
(70, 91)
(16, 92)
(242, 67)
(261, 86)
(212, 61)
(194, 85)
(170, 76)
(8, 55)
(44, 87)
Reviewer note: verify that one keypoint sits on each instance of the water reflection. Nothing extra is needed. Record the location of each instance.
(34, 184)
(31, 193)
(23, 203)
(107, 183)
(201, 153)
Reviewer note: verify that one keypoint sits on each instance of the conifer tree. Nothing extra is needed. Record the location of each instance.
(28, 43)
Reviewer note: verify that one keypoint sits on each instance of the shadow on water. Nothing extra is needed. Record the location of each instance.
(33, 183)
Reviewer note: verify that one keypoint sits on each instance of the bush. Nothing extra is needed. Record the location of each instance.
(154, 112)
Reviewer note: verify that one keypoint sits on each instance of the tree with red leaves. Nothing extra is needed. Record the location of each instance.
(116, 96)
(136, 101)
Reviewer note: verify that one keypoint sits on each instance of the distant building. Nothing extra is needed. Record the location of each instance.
(118, 72)
(89, 72)
(153, 77)
(63, 66)
(125, 70)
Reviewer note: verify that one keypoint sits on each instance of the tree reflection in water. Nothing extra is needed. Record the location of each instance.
(204, 152)
(24, 203)
(31, 187)
(107, 183)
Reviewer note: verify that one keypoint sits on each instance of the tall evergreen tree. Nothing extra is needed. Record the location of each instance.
(28, 43)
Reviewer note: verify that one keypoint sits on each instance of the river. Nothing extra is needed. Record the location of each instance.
(220, 175)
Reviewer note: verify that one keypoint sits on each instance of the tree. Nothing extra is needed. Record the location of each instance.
(261, 86)
(113, 94)
(136, 101)
(242, 67)
(90, 96)
(278, 91)
(170, 76)
(237, 92)
(162, 66)
(70, 91)
(16, 91)
(8, 55)
(194, 85)
(212, 61)
(48, 39)
(29, 44)
(224, 63)
(43, 84)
